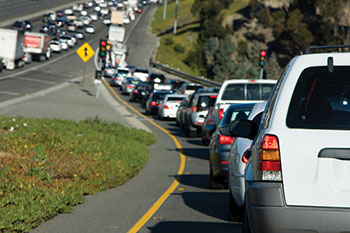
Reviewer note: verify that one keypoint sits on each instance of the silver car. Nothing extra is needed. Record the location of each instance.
(237, 163)
(196, 112)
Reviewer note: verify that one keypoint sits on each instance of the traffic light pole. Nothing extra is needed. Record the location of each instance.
(262, 73)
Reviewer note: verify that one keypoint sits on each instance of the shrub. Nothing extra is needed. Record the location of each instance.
(179, 48)
(168, 41)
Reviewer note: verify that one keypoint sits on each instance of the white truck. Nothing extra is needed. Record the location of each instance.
(38, 45)
(116, 33)
(117, 17)
(11, 48)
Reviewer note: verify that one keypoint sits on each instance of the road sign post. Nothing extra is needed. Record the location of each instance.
(85, 52)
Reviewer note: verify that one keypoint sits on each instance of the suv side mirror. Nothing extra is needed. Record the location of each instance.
(243, 128)
(225, 131)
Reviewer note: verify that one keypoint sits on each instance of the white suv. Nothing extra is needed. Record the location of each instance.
(298, 175)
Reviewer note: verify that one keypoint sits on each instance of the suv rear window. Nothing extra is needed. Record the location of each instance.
(175, 99)
(193, 88)
(251, 91)
(321, 99)
(205, 102)
(235, 114)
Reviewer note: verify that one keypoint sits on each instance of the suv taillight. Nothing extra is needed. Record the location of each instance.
(225, 140)
(221, 113)
(269, 162)
(194, 108)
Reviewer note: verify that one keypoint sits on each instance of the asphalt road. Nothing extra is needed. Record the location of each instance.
(193, 207)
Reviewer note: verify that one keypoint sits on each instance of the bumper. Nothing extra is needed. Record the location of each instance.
(222, 155)
(169, 113)
(268, 213)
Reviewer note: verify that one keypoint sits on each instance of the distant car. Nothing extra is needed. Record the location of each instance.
(71, 27)
(19, 26)
(90, 29)
(153, 101)
(220, 145)
(64, 44)
(129, 85)
(175, 84)
(68, 11)
(140, 93)
(27, 58)
(126, 19)
(238, 158)
(169, 106)
(86, 20)
(55, 46)
(28, 25)
(94, 16)
(189, 88)
(69, 40)
(196, 111)
(119, 76)
(104, 11)
(60, 13)
(109, 71)
(106, 20)
(80, 35)
(83, 13)
(141, 73)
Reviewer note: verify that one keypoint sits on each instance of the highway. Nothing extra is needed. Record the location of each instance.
(192, 207)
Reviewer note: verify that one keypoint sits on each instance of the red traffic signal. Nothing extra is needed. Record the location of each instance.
(103, 44)
(262, 58)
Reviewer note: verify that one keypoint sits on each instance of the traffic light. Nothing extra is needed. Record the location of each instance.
(103, 49)
(262, 58)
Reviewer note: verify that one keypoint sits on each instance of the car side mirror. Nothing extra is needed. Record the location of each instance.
(225, 131)
(243, 128)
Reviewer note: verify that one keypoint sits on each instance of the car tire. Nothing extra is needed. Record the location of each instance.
(190, 132)
(246, 225)
(215, 182)
(233, 210)
(204, 141)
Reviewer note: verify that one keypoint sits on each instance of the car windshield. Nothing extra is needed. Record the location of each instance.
(321, 99)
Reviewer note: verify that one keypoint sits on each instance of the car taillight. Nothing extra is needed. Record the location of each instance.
(213, 96)
(136, 92)
(194, 108)
(128, 86)
(153, 103)
(225, 140)
(221, 113)
(106, 70)
(115, 78)
(269, 161)
(166, 107)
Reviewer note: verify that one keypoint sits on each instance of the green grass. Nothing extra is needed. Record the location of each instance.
(48, 165)
(236, 6)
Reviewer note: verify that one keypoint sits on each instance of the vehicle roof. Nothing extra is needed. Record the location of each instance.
(243, 81)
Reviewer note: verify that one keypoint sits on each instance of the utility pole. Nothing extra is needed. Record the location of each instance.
(175, 21)
(164, 10)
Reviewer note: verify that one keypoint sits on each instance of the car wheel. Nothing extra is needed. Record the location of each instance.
(190, 132)
(233, 212)
(246, 225)
(215, 182)
(204, 141)
(177, 122)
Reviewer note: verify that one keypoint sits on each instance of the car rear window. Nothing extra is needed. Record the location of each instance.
(175, 99)
(235, 114)
(193, 88)
(321, 99)
(251, 91)
(205, 102)
(123, 72)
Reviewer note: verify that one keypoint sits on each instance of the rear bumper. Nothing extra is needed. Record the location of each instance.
(268, 213)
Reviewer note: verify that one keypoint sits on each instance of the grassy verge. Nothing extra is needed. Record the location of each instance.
(48, 165)
(173, 49)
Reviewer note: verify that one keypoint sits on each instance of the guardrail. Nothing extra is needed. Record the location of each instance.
(181, 74)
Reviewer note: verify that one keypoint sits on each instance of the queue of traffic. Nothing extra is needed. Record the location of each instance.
(60, 30)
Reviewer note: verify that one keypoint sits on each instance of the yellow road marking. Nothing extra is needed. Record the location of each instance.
(150, 212)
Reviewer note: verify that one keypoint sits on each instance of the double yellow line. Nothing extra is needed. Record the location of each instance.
(150, 212)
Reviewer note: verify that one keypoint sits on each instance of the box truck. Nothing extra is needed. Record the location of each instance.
(11, 48)
(38, 45)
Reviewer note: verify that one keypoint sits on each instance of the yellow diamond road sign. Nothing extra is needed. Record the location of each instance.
(85, 52)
